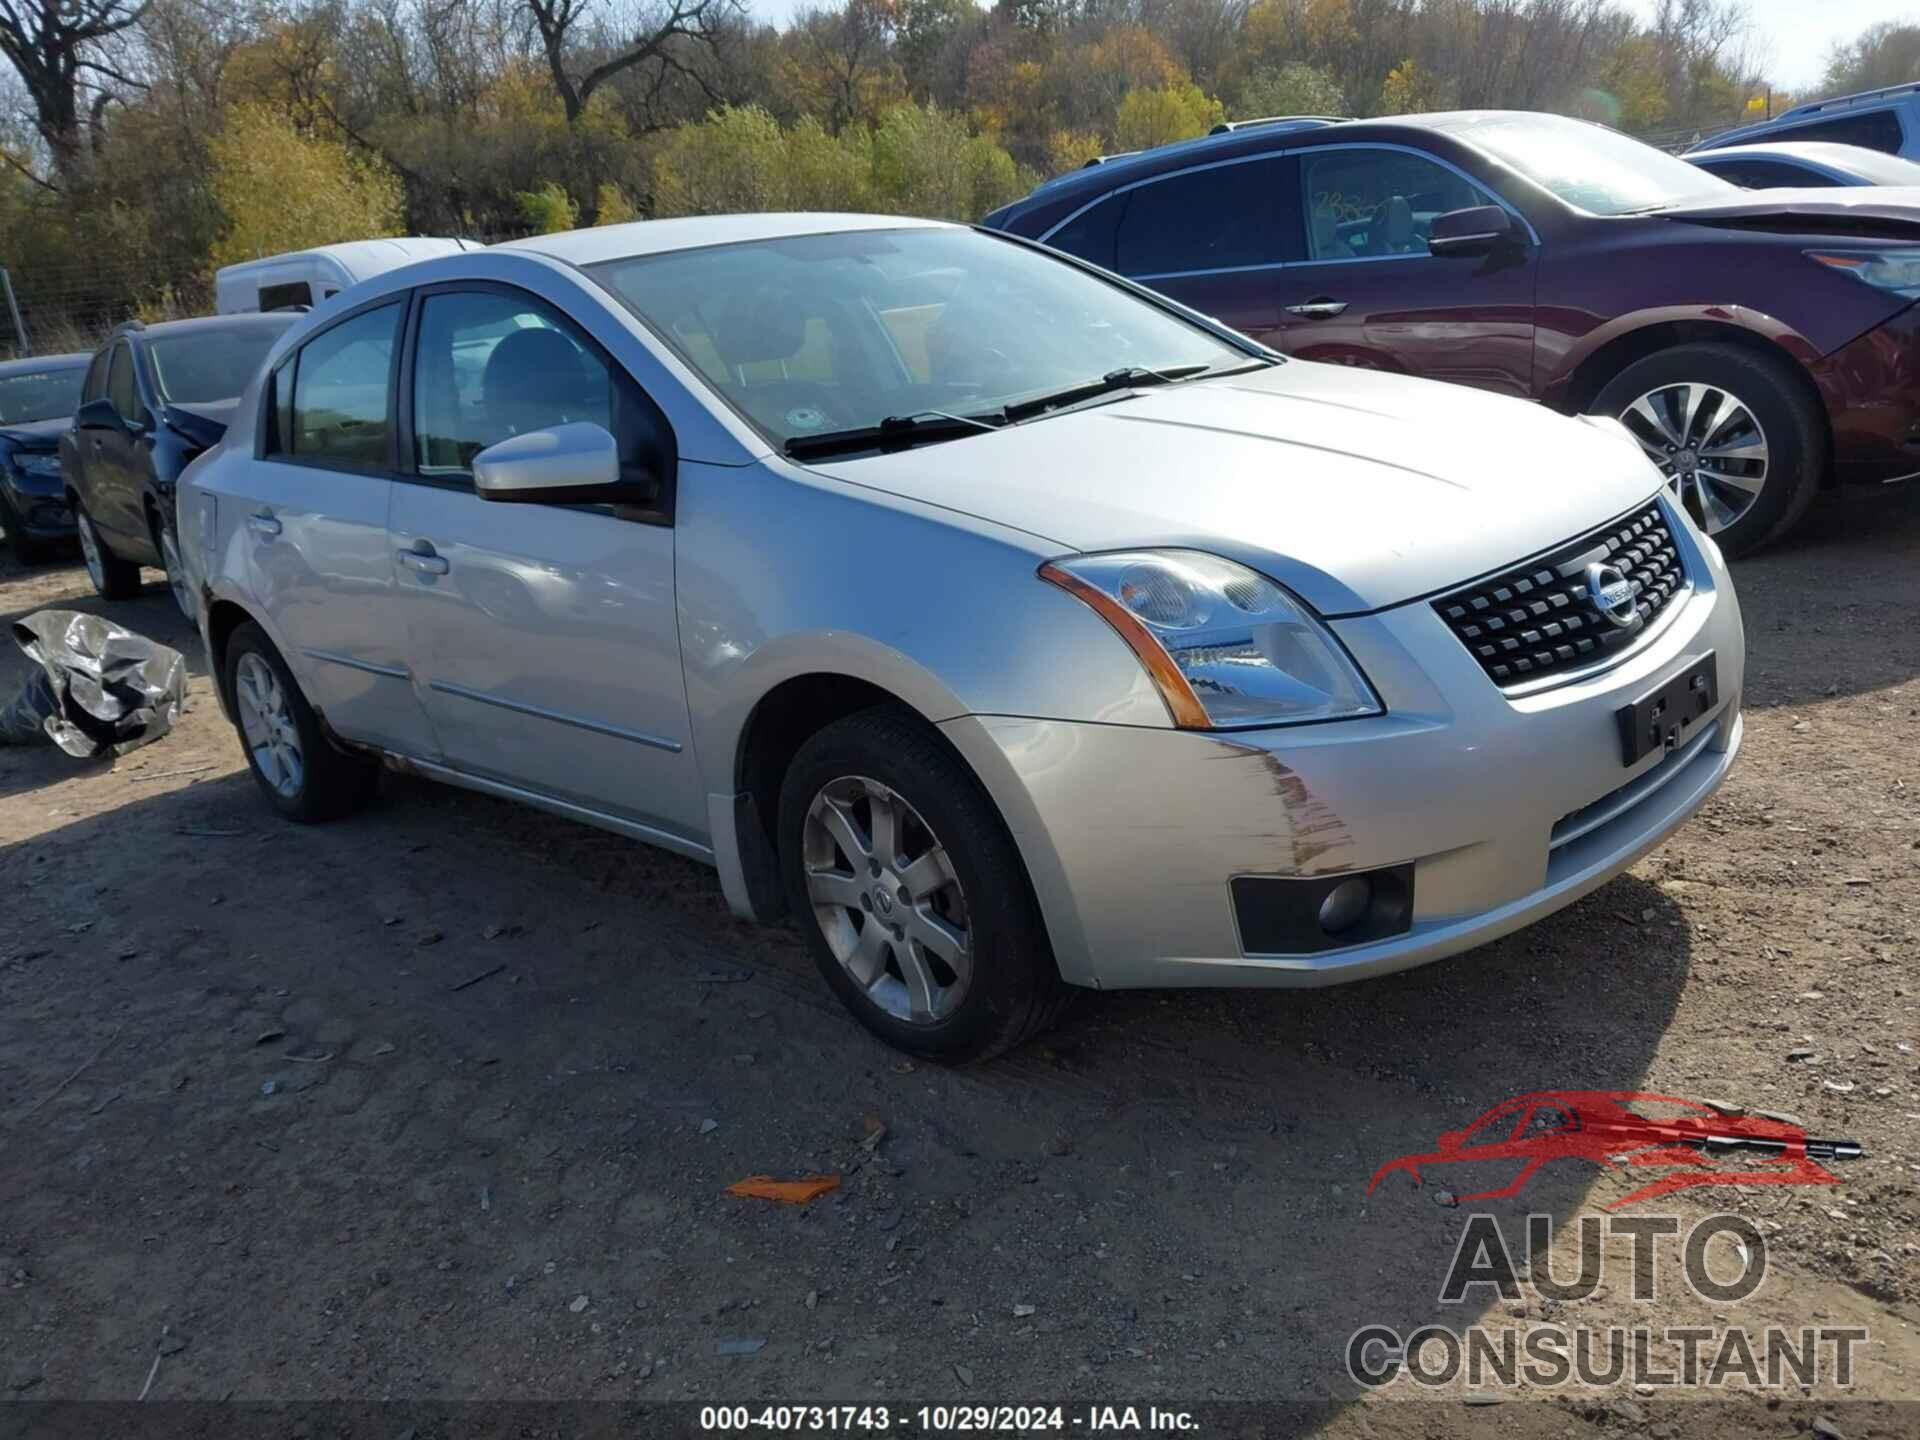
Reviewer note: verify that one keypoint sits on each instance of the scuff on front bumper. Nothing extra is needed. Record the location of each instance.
(1133, 835)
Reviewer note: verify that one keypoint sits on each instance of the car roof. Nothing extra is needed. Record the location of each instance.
(655, 237)
(382, 254)
(39, 364)
(247, 319)
(1824, 152)
(1088, 182)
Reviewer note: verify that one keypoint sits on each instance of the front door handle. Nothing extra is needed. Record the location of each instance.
(1318, 309)
(423, 559)
(263, 524)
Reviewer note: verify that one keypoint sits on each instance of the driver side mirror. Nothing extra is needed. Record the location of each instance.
(98, 415)
(574, 464)
(1476, 231)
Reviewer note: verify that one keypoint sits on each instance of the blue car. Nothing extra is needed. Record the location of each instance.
(1804, 164)
(37, 401)
(1886, 120)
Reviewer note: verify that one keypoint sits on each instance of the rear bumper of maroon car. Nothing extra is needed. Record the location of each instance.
(1871, 387)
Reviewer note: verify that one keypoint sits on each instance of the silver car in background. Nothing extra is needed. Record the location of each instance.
(1010, 627)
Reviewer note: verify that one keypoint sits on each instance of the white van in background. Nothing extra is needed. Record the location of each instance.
(306, 277)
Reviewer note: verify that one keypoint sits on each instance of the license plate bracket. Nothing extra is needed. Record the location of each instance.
(1664, 718)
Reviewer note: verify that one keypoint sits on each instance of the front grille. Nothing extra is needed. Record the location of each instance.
(1537, 620)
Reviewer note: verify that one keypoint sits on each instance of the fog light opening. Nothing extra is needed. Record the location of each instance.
(1346, 905)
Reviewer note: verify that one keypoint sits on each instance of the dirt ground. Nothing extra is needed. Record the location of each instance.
(439, 1103)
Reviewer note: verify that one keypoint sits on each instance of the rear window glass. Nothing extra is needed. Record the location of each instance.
(1875, 129)
(1214, 219)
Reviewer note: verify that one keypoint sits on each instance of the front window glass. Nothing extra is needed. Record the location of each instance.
(814, 333)
(1364, 204)
(41, 394)
(491, 366)
(340, 387)
(121, 388)
(212, 363)
(1591, 167)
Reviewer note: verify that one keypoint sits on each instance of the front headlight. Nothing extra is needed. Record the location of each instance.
(47, 467)
(1896, 270)
(1225, 646)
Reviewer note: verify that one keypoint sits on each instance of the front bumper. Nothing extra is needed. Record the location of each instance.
(42, 510)
(1871, 390)
(1133, 835)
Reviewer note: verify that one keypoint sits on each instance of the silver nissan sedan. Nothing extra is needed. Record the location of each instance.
(1008, 626)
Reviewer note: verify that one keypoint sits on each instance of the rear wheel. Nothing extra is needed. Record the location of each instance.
(1736, 434)
(910, 892)
(302, 774)
(112, 577)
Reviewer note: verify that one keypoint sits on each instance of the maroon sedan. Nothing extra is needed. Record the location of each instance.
(1761, 345)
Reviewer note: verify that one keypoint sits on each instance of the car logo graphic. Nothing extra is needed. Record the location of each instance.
(1597, 1126)
(1612, 594)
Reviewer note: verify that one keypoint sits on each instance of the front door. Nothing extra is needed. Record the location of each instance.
(313, 522)
(542, 637)
(111, 458)
(1368, 292)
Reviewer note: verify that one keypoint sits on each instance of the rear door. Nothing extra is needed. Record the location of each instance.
(1369, 293)
(1212, 238)
(315, 528)
(112, 492)
(543, 638)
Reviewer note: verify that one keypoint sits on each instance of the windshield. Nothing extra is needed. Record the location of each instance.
(197, 366)
(1595, 169)
(818, 333)
(41, 394)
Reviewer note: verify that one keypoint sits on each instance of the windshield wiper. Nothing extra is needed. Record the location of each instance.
(896, 432)
(1128, 377)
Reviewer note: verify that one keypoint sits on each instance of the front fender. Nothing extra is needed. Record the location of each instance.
(1561, 354)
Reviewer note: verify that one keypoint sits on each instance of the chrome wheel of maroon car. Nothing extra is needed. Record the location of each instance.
(1708, 444)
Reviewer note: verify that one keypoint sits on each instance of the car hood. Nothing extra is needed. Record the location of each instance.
(1356, 489)
(1842, 210)
(35, 434)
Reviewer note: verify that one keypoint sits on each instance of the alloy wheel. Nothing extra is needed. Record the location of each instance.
(887, 899)
(90, 551)
(266, 720)
(1708, 444)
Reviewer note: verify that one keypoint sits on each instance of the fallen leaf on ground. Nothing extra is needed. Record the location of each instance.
(787, 1192)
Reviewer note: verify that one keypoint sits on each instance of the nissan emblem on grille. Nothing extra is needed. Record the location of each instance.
(1577, 607)
(1612, 594)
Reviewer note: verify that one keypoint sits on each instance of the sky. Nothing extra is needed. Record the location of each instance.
(1792, 36)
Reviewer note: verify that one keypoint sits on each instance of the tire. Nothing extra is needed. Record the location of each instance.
(301, 772)
(1011, 989)
(112, 577)
(1784, 412)
(168, 549)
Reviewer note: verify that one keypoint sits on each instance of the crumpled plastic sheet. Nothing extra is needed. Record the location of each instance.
(99, 687)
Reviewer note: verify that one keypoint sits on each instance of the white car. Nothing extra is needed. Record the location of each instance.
(1011, 627)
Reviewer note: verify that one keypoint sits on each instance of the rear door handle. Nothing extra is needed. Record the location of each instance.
(263, 524)
(1322, 309)
(424, 560)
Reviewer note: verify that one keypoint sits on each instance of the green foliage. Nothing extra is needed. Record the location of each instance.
(1292, 89)
(1164, 114)
(549, 209)
(612, 207)
(279, 189)
(920, 160)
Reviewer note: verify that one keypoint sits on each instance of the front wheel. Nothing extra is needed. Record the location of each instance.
(169, 549)
(911, 895)
(300, 771)
(112, 577)
(1737, 435)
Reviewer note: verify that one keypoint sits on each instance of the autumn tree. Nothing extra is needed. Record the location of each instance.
(60, 49)
(585, 46)
(281, 190)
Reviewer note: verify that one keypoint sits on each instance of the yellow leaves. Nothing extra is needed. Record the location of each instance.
(1409, 89)
(612, 207)
(1070, 149)
(279, 190)
(1165, 114)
